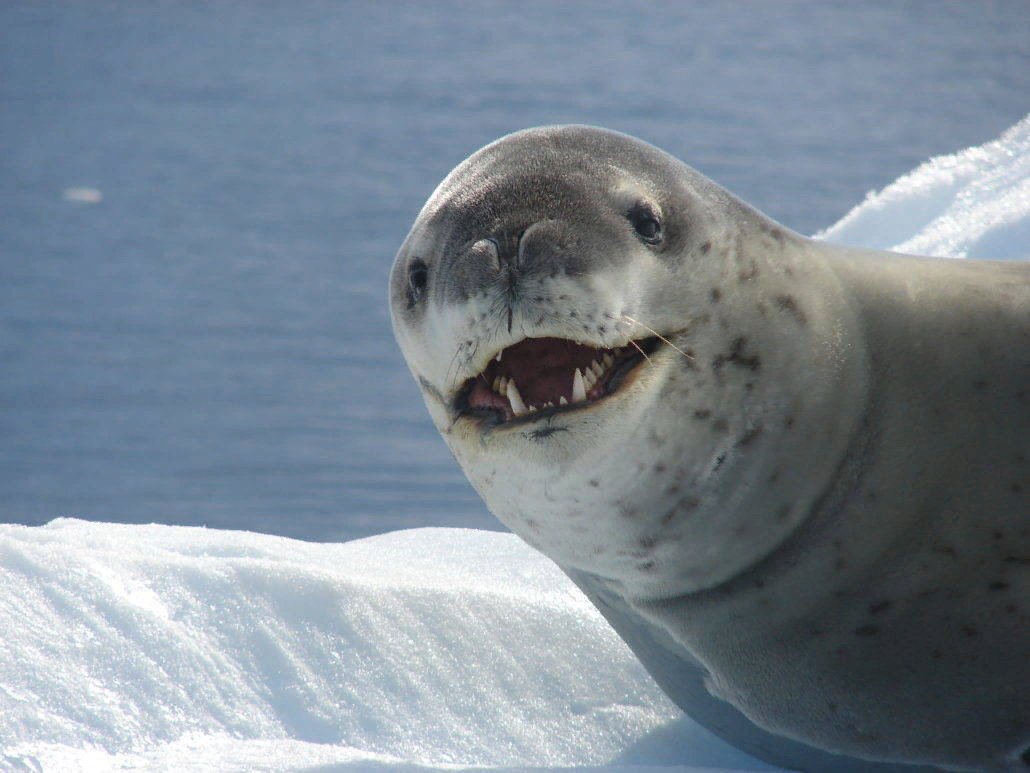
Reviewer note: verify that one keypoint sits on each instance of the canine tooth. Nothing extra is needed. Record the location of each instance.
(517, 406)
(579, 390)
(562, 400)
(498, 357)
(608, 360)
(596, 367)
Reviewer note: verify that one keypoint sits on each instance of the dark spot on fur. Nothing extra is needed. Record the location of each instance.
(979, 385)
(646, 566)
(719, 461)
(749, 437)
(543, 433)
(594, 482)
(866, 630)
(705, 248)
(683, 506)
(998, 585)
(782, 512)
(659, 468)
(790, 305)
(831, 706)
(969, 630)
(672, 490)
(702, 414)
(746, 275)
(871, 496)
(789, 422)
(720, 425)
(878, 607)
(628, 512)
(715, 295)
(737, 357)
(935, 654)
(998, 535)
(774, 477)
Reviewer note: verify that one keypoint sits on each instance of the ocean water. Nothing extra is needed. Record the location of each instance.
(209, 342)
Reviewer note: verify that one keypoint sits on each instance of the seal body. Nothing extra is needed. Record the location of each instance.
(793, 476)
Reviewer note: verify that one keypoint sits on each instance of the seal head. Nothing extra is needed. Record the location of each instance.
(584, 321)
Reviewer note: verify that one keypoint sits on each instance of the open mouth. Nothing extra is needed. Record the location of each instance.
(541, 376)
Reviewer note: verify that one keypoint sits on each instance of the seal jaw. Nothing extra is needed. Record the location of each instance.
(539, 377)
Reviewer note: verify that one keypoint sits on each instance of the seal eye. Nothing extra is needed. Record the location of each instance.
(418, 275)
(645, 222)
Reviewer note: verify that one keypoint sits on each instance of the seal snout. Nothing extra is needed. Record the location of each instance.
(549, 375)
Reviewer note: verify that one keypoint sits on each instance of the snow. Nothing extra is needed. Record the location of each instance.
(160, 647)
(972, 204)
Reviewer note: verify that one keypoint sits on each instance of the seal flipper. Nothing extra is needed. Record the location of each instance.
(682, 678)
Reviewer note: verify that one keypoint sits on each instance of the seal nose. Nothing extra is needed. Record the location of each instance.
(538, 243)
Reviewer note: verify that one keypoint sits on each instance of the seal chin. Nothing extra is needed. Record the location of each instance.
(536, 378)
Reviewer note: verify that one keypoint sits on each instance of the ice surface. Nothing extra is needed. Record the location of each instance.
(136, 646)
(160, 647)
(972, 204)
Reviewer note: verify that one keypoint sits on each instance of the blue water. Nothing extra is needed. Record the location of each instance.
(210, 344)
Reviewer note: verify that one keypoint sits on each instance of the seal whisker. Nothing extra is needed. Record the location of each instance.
(657, 335)
(642, 352)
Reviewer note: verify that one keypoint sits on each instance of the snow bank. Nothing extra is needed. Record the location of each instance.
(158, 647)
(165, 647)
(973, 204)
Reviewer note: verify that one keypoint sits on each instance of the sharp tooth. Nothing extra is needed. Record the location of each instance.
(532, 409)
(498, 358)
(502, 385)
(562, 400)
(517, 406)
(596, 367)
(589, 379)
(548, 404)
(496, 386)
(579, 390)
(608, 360)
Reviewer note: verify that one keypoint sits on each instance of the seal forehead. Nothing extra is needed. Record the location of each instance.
(592, 157)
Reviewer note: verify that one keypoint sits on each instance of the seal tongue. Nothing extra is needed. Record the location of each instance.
(543, 368)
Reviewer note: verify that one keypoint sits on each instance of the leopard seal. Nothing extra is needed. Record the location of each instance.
(792, 475)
